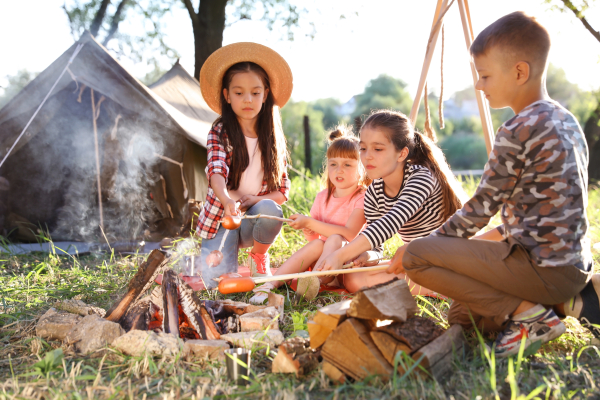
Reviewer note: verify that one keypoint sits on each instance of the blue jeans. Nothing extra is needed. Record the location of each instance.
(261, 230)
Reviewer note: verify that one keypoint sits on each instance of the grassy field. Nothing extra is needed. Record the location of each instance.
(32, 368)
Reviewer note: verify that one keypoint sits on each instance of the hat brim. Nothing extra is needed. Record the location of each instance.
(211, 74)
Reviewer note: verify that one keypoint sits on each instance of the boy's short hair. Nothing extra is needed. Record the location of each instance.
(521, 36)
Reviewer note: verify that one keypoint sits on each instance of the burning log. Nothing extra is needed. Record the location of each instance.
(170, 303)
(137, 317)
(197, 313)
(138, 284)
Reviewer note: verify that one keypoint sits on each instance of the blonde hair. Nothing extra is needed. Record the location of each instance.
(344, 144)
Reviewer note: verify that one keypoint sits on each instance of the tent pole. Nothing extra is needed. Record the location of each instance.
(432, 42)
(484, 110)
(97, 161)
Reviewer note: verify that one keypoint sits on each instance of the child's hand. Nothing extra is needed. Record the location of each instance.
(331, 263)
(247, 201)
(300, 221)
(396, 266)
(231, 208)
(361, 260)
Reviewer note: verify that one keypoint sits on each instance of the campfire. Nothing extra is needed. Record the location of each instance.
(172, 308)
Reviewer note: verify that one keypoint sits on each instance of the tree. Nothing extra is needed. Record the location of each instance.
(103, 19)
(209, 19)
(15, 84)
(292, 116)
(591, 127)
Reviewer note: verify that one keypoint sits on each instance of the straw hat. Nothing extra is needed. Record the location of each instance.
(211, 74)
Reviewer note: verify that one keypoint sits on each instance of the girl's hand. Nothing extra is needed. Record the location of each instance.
(231, 208)
(300, 221)
(331, 263)
(360, 261)
(396, 266)
(247, 201)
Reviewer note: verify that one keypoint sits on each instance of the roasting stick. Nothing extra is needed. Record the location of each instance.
(246, 284)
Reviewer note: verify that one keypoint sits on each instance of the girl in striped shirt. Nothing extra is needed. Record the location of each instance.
(413, 193)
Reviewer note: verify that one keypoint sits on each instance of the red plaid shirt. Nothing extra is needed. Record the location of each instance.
(218, 162)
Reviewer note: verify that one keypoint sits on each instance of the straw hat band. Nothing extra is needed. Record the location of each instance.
(214, 68)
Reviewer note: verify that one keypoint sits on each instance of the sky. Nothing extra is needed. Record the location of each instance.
(379, 37)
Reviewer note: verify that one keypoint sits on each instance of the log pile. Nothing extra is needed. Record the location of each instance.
(363, 336)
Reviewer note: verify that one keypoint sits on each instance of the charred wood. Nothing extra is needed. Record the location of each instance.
(141, 282)
(170, 303)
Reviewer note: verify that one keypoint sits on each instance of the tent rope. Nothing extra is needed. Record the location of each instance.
(185, 190)
(77, 50)
(441, 105)
(428, 127)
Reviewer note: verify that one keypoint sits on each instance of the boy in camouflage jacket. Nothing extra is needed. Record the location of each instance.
(537, 177)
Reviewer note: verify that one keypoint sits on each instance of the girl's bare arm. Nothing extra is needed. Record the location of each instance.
(348, 231)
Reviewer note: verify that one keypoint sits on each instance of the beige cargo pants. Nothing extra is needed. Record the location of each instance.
(488, 279)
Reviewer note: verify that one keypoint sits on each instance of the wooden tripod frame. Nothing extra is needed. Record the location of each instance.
(438, 21)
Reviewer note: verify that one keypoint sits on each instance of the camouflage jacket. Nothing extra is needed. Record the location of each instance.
(537, 174)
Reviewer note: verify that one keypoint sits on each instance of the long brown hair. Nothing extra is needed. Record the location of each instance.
(271, 140)
(421, 151)
(343, 144)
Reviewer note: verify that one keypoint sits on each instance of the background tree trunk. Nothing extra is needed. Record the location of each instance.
(99, 17)
(208, 25)
(592, 136)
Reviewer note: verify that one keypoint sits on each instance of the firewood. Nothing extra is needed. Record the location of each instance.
(137, 317)
(333, 373)
(388, 345)
(332, 315)
(390, 300)
(415, 332)
(277, 301)
(351, 349)
(170, 303)
(325, 321)
(299, 365)
(439, 354)
(197, 313)
(142, 280)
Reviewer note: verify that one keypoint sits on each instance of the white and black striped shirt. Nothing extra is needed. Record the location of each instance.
(416, 211)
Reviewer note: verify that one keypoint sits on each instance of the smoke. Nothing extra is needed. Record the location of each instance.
(129, 170)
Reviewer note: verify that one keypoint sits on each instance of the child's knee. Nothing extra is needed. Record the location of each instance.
(267, 207)
(411, 259)
(335, 240)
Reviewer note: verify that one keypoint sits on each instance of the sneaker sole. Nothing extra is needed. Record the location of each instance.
(548, 336)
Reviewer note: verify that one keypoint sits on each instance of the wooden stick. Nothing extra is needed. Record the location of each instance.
(287, 277)
(484, 110)
(441, 8)
(267, 217)
(97, 160)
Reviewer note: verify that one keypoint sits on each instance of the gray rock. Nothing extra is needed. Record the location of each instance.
(54, 325)
(211, 349)
(255, 339)
(93, 333)
(137, 343)
(260, 320)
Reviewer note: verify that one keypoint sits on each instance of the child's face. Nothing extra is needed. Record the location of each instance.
(378, 154)
(496, 78)
(343, 172)
(246, 95)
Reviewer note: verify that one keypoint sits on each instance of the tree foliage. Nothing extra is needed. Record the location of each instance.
(15, 83)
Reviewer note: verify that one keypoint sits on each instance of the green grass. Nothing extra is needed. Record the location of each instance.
(32, 368)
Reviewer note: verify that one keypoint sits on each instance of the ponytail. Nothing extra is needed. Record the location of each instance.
(422, 151)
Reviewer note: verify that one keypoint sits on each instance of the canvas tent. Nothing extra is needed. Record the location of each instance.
(151, 146)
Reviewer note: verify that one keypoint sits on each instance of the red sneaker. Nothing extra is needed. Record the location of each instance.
(260, 265)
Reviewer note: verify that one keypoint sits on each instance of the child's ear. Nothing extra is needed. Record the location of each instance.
(226, 95)
(403, 154)
(522, 70)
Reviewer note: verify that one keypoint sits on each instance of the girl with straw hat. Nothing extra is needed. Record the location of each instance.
(246, 84)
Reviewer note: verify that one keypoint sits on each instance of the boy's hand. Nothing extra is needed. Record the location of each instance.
(300, 221)
(231, 208)
(396, 266)
(247, 201)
